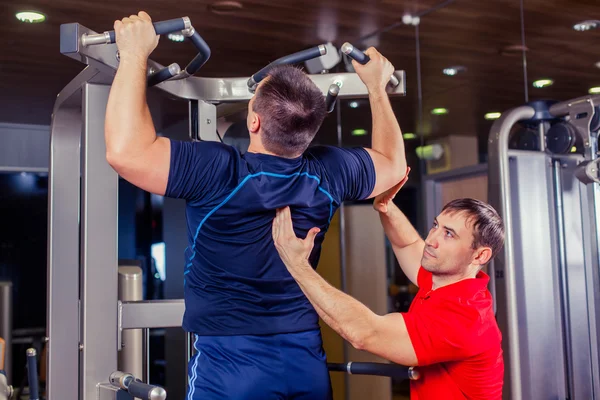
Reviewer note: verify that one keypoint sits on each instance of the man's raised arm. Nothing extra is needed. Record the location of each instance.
(387, 144)
(132, 147)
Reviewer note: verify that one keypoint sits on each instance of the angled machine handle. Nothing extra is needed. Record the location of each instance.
(294, 58)
(362, 58)
(182, 25)
(332, 94)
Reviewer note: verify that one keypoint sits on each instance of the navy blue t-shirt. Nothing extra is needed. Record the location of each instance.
(235, 282)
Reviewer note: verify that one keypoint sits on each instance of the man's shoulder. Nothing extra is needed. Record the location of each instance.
(320, 152)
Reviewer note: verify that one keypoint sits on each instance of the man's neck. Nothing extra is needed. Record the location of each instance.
(439, 281)
(258, 148)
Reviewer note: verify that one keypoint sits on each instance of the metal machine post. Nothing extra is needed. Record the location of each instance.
(131, 356)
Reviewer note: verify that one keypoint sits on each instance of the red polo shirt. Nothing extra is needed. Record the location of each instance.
(456, 340)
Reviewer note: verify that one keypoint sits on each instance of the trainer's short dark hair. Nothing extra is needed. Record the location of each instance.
(488, 227)
(292, 109)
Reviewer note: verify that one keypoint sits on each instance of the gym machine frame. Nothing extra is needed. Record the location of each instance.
(85, 318)
(547, 276)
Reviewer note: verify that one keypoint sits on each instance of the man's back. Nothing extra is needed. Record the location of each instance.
(235, 281)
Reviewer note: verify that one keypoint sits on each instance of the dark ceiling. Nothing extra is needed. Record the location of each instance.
(479, 35)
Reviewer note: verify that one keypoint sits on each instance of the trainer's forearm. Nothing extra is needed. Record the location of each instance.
(351, 319)
(398, 228)
(128, 125)
(387, 136)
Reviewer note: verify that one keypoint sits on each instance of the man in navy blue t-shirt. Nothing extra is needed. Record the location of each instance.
(255, 333)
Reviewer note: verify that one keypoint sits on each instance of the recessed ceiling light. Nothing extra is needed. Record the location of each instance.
(451, 71)
(359, 132)
(176, 37)
(541, 83)
(594, 90)
(409, 136)
(439, 111)
(225, 6)
(586, 25)
(30, 17)
(492, 115)
(573, 149)
(513, 50)
(353, 104)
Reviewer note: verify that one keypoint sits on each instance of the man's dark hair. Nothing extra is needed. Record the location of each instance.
(292, 109)
(488, 227)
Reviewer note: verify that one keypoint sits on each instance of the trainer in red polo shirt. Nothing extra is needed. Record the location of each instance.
(456, 340)
(450, 332)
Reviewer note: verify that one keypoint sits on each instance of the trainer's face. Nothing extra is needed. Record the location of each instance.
(449, 245)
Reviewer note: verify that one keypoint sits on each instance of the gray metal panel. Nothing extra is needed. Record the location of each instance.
(24, 146)
(236, 89)
(537, 276)
(98, 247)
(63, 246)
(573, 204)
(6, 329)
(151, 314)
(433, 202)
(108, 392)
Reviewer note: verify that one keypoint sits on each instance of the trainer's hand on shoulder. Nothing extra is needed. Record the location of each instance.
(294, 252)
(376, 73)
(136, 38)
(381, 202)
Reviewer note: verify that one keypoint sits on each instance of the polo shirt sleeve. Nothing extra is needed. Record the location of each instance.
(448, 331)
(350, 171)
(198, 169)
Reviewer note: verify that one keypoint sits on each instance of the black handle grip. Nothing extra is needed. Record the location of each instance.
(163, 74)
(32, 375)
(294, 58)
(331, 98)
(146, 392)
(379, 369)
(161, 27)
(203, 54)
(362, 59)
(355, 54)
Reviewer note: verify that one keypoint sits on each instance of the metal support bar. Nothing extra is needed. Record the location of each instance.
(499, 187)
(211, 90)
(130, 342)
(99, 261)
(62, 320)
(6, 315)
(151, 314)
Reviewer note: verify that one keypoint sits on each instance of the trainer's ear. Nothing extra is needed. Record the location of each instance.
(482, 256)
